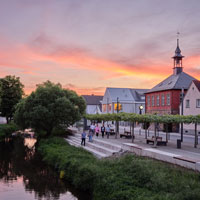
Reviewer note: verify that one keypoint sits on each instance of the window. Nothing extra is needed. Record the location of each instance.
(187, 105)
(148, 100)
(119, 106)
(168, 99)
(163, 100)
(104, 107)
(198, 103)
(158, 100)
(109, 107)
(152, 100)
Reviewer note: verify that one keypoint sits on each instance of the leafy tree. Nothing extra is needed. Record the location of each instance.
(49, 107)
(11, 91)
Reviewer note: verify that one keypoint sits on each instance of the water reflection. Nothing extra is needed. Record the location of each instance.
(24, 176)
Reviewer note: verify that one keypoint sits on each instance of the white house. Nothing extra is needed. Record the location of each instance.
(191, 104)
(3, 120)
(94, 106)
(93, 103)
(128, 100)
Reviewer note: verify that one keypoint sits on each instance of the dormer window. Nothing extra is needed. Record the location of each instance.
(169, 82)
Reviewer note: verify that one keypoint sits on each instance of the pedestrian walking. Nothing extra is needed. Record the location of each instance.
(102, 131)
(107, 131)
(83, 136)
(97, 130)
(92, 128)
(90, 134)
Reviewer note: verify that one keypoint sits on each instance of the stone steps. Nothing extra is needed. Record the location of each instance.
(102, 143)
(98, 147)
(93, 151)
(94, 146)
(108, 144)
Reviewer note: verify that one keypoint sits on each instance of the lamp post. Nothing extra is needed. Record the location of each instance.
(141, 108)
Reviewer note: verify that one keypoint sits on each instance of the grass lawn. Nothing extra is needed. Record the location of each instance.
(126, 178)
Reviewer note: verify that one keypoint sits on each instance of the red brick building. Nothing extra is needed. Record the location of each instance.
(164, 98)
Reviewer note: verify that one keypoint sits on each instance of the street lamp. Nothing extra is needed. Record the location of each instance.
(141, 108)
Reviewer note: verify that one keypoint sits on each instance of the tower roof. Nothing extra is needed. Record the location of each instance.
(174, 82)
(178, 51)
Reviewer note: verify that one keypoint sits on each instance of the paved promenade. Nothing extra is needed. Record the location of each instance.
(187, 148)
(187, 156)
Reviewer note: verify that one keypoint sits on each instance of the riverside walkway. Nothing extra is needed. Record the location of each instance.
(187, 156)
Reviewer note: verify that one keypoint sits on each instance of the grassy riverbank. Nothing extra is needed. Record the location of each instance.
(126, 178)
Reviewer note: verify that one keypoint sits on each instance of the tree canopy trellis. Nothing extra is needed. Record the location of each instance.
(133, 117)
(148, 118)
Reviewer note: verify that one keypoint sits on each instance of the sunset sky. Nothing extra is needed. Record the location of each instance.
(88, 45)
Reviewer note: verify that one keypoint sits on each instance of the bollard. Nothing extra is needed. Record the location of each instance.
(178, 144)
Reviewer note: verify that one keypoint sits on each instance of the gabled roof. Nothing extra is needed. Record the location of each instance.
(138, 94)
(126, 94)
(197, 83)
(92, 99)
(173, 82)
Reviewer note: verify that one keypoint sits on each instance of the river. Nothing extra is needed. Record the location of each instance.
(24, 176)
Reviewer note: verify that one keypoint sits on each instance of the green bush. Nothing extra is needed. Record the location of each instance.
(6, 130)
(126, 178)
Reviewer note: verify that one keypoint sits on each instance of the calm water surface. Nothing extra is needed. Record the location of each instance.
(23, 176)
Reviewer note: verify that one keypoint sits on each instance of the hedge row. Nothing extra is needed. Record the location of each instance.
(126, 178)
(133, 117)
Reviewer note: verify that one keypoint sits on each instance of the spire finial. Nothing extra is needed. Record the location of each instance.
(177, 58)
(178, 33)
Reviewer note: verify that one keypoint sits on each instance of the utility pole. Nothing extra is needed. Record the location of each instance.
(117, 122)
(117, 104)
(107, 109)
(182, 96)
(107, 106)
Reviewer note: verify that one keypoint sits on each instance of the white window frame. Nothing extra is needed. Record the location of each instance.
(168, 99)
(152, 100)
(187, 103)
(163, 100)
(198, 103)
(158, 100)
(148, 101)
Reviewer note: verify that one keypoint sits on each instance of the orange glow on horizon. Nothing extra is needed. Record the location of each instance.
(22, 58)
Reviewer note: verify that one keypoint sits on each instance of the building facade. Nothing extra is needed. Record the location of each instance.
(123, 100)
(165, 97)
(191, 105)
(93, 104)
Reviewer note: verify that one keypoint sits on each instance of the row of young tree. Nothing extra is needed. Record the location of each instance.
(150, 118)
(50, 107)
(146, 119)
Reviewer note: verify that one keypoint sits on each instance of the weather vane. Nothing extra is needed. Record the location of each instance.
(178, 33)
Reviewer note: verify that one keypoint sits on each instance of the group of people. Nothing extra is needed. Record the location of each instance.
(95, 130)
